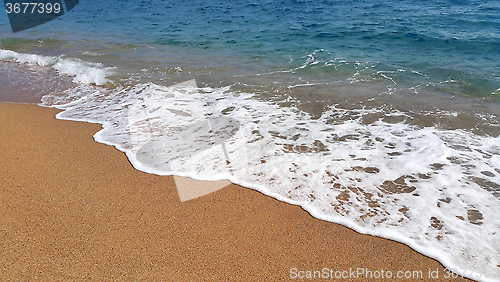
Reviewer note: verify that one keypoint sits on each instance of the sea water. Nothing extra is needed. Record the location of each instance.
(382, 116)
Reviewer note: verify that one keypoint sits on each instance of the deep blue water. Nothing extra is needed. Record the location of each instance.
(441, 40)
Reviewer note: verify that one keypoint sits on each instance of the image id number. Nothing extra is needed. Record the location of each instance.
(32, 8)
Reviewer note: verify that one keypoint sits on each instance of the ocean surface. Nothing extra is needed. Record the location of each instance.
(383, 116)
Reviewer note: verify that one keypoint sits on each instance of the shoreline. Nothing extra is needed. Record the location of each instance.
(75, 209)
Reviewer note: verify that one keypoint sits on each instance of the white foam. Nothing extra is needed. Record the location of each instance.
(81, 71)
(435, 190)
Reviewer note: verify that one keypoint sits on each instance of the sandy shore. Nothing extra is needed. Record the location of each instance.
(73, 209)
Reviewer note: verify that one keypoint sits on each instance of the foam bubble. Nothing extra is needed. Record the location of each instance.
(433, 189)
(81, 71)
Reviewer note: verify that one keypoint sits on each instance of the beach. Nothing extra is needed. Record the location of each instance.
(76, 210)
(229, 140)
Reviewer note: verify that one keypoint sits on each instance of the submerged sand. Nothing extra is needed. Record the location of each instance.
(73, 209)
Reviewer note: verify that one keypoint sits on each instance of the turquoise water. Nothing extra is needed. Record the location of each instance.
(379, 115)
(441, 40)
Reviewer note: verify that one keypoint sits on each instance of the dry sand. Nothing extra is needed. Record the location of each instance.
(73, 210)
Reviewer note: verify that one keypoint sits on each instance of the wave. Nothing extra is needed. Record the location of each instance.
(81, 71)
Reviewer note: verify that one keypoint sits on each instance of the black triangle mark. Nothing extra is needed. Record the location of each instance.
(70, 4)
(27, 14)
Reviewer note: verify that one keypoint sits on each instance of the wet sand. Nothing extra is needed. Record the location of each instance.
(76, 210)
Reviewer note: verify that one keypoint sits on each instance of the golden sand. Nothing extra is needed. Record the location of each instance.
(76, 210)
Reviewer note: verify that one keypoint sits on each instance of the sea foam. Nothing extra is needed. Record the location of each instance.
(433, 189)
(81, 71)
